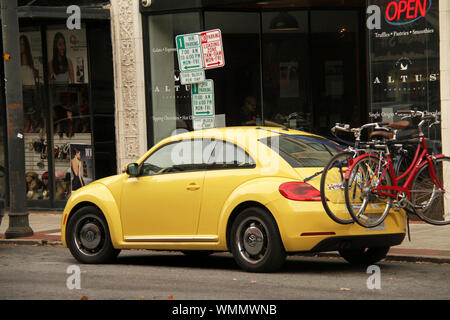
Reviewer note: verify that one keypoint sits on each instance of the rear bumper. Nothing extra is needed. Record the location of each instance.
(361, 241)
(305, 227)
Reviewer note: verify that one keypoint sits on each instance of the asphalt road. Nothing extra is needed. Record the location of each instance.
(40, 272)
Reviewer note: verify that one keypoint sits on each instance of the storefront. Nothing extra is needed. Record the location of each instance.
(304, 64)
(68, 103)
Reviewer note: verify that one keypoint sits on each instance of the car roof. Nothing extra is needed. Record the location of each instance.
(235, 133)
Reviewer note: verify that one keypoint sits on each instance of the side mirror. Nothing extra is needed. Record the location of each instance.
(132, 169)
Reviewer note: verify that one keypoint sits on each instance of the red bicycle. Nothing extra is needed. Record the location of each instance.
(372, 188)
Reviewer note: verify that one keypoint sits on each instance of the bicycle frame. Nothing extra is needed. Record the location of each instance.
(421, 158)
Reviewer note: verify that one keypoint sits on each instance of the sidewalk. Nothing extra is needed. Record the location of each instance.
(428, 243)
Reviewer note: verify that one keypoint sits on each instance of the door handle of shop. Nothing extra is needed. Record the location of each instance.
(193, 186)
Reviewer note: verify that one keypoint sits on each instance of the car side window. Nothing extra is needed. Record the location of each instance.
(226, 155)
(181, 156)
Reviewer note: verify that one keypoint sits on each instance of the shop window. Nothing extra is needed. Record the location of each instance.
(3, 190)
(65, 113)
(171, 101)
(237, 85)
(285, 65)
(35, 135)
(404, 64)
(70, 110)
(335, 69)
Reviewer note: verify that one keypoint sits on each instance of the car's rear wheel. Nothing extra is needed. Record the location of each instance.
(88, 237)
(255, 241)
(364, 256)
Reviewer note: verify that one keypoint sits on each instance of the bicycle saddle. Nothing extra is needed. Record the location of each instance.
(399, 125)
(382, 134)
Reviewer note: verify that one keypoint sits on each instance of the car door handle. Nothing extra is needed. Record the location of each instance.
(193, 186)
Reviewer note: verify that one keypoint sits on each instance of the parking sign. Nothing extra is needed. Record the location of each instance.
(189, 52)
(202, 98)
(212, 49)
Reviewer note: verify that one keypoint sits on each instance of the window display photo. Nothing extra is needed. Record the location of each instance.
(81, 165)
(67, 54)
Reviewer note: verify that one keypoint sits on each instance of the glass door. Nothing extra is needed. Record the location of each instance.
(335, 69)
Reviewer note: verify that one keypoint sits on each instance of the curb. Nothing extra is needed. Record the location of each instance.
(390, 257)
(31, 242)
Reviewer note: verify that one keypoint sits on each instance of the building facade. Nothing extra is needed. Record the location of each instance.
(68, 100)
(301, 64)
(305, 64)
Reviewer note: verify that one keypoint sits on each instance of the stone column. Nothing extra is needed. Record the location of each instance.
(130, 118)
(444, 43)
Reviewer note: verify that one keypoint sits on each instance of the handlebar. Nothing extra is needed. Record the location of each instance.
(346, 127)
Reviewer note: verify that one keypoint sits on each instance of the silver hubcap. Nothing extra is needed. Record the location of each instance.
(90, 236)
(252, 239)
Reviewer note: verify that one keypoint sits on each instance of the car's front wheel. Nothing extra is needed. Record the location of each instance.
(88, 237)
(255, 241)
(364, 256)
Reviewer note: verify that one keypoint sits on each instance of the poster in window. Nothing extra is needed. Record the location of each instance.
(81, 165)
(289, 80)
(31, 64)
(67, 54)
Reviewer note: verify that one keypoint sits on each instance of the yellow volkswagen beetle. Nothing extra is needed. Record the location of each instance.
(238, 189)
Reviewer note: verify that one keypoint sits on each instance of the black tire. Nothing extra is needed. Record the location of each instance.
(364, 256)
(427, 198)
(88, 237)
(357, 188)
(255, 241)
(333, 175)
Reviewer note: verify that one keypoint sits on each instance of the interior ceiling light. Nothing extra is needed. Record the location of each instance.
(284, 22)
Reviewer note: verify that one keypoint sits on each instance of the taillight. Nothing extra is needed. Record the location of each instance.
(299, 191)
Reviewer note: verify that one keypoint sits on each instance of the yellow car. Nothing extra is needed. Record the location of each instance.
(238, 189)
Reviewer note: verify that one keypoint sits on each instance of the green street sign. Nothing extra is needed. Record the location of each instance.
(202, 99)
(189, 52)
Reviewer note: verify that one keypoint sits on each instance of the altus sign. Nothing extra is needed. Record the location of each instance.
(398, 12)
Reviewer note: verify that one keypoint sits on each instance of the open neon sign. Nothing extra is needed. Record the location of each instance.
(401, 12)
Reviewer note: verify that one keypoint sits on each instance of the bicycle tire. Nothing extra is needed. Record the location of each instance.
(331, 186)
(429, 202)
(364, 169)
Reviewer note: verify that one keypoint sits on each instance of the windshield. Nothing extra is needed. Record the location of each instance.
(303, 151)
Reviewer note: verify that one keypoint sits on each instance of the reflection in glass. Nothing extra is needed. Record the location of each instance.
(36, 165)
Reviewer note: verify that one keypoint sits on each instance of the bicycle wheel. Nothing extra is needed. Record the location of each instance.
(367, 208)
(432, 204)
(332, 188)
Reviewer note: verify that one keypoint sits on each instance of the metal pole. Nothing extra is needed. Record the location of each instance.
(18, 216)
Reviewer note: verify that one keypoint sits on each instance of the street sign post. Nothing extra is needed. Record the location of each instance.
(212, 49)
(189, 52)
(203, 123)
(202, 100)
(198, 52)
(194, 76)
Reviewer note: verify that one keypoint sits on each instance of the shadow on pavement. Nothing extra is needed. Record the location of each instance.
(225, 261)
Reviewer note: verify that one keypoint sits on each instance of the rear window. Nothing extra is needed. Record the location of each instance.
(303, 151)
